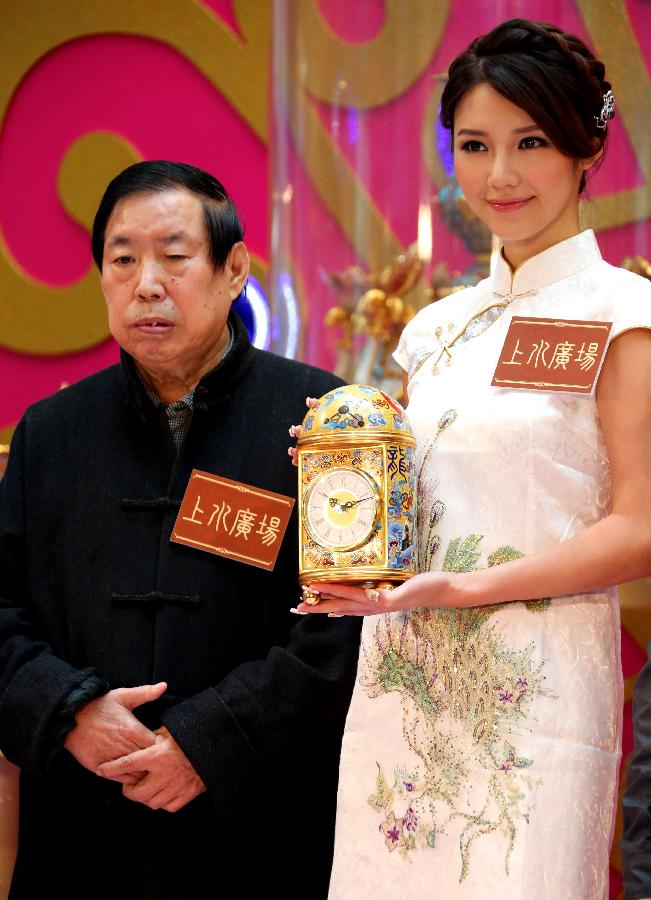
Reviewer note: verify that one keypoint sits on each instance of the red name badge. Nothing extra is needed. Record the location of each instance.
(232, 519)
(552, 355)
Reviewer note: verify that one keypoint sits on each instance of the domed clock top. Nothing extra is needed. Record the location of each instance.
(352, 410)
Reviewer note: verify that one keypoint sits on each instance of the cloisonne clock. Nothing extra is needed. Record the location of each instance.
(356, 489)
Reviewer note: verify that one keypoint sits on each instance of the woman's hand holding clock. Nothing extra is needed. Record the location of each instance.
(427, 589)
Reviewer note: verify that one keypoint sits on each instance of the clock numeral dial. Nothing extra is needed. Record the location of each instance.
(341, 508)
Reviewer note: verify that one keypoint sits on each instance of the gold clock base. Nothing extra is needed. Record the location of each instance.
(356, 575)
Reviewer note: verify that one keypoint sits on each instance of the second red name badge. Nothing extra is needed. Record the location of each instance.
(563, 355)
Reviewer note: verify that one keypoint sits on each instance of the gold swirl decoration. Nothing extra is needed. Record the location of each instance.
(36, 318)
(371, 79)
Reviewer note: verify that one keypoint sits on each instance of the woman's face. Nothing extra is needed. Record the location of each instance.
(514, 179)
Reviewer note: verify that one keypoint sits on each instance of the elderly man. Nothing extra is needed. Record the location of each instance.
(177, 728)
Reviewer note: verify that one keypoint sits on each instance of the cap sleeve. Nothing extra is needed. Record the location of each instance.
(401, 353)
(418, 337)
(631, 306)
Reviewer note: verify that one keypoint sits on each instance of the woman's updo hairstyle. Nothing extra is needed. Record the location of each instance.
(550, 74)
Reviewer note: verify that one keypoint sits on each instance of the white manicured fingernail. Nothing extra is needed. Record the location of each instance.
(297, 612)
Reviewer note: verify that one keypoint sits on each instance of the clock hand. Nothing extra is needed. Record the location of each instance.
(333, 501)
(349, 505)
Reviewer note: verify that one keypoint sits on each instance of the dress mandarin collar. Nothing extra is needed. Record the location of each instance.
(557, 262)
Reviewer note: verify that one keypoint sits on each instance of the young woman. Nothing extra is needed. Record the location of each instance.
(483, 740)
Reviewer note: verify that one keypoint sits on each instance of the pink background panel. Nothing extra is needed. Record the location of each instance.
(146, 92)
(157, 100)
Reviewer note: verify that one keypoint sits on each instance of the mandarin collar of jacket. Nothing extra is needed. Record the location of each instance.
(215, 386)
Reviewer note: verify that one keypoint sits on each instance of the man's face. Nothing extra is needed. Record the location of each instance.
(167, 304)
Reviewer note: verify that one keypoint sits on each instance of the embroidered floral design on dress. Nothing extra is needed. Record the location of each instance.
(464, 693)
(430, 542)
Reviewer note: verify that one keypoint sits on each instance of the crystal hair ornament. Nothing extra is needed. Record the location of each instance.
(607, 111)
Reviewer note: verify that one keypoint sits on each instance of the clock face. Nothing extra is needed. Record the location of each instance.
(341, 508)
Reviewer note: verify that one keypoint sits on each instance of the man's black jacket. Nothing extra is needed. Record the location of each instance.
(93, 596)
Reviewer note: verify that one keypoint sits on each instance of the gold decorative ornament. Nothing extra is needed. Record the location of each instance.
(356, 490)
(373, 307)
(637, 264)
